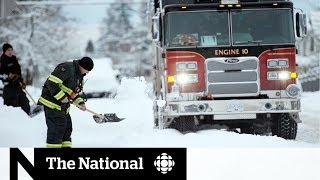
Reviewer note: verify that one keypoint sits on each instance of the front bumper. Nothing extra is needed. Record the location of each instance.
(232, 107)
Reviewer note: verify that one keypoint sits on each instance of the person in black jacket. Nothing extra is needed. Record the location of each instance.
(10, 74)
(60, 89)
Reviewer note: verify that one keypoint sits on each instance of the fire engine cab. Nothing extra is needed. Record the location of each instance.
(227, 62)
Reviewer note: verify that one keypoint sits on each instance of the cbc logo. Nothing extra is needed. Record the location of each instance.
(164, 163)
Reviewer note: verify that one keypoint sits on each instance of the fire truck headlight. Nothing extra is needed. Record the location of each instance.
(192, 66)
(284, 75)
(283, 63)
(181, 66)
(186, 66)
(272, 63)
(187, 78)
(273, 76)
(278, 63)
(293, 90)
(279, 75)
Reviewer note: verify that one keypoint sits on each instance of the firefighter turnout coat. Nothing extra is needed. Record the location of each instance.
(64, 81)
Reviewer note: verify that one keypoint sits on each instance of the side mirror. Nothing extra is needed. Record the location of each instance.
(156, 29)
(301, 24)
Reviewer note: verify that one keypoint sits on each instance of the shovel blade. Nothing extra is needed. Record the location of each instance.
(111, 117)
(99, 119)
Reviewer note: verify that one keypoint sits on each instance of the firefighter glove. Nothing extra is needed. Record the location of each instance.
(82, 107)
(73, 95)
(13, 77)
(65, 100)
(23, 84)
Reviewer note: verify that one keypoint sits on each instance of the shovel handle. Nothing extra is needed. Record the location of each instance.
(92, 112)
(34, 102)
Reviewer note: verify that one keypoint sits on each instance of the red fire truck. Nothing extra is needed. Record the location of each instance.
(229, 63)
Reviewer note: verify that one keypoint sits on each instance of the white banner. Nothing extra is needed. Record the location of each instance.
(253, 164)
(225, 164)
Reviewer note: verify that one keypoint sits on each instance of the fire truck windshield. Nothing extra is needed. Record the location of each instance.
(262, 26)
(211, 28)
(197, 28)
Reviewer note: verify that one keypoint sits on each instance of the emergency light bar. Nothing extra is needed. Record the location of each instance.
(222, 3)
(225, 2)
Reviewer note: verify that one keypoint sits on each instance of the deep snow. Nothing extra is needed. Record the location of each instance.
(133, 103)
(246, 157)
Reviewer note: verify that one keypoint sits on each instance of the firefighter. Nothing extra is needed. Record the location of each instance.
(10, 74)
(60, 89)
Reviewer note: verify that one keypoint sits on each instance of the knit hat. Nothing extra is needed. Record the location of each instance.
(86, 63)
(6, 46)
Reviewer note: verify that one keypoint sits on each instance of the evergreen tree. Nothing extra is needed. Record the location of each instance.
(144, 46)
(114, 30)
(125, 39)
(90, 47)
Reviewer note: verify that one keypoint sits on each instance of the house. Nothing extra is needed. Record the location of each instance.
(309, 54)
(310, 45)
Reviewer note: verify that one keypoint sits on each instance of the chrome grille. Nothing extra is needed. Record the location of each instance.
(233, 88)
(220, 65)
(232, 78)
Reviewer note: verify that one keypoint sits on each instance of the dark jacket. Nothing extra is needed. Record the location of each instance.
(10, 65)
(64, 81)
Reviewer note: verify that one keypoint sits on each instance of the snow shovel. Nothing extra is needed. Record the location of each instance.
(34, 102)
(25, 90)
(105, 118)
(34, 109)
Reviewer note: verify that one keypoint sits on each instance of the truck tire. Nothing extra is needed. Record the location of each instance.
(156, 122)
(247, 130)
(155, 115)
(255, 130)
(184, 124)
(284, 126)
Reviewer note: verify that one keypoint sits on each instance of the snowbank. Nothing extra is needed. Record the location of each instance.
(309, 129)
(132, 88)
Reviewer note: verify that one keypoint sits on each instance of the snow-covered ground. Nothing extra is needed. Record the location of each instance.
(309, 129)
(133, 103)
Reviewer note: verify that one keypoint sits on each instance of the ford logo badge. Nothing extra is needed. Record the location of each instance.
(231, 61)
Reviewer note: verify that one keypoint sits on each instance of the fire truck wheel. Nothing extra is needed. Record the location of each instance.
(184, 124)
(284, 126)
(156, 122)
(247, 130)
(155, 115)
